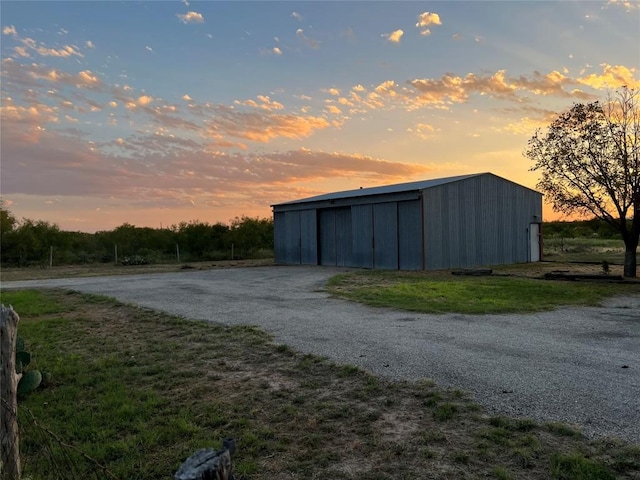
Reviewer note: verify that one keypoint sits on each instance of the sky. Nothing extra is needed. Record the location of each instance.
(155, 113)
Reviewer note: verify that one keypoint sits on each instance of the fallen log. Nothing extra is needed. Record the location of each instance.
(583, 277)
(476, 272)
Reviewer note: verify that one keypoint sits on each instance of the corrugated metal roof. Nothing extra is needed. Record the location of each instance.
(397, 188)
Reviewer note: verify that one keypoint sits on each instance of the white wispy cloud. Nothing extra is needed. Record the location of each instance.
(629, 5)
(612, 76)
(423, 130)
(309, 41)
(191, 17)
(264, 102)
(297, 16)
(394, 36)
(427, 19)
(30, 45)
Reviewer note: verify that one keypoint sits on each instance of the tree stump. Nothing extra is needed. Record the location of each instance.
(207, 464)
(9, 438)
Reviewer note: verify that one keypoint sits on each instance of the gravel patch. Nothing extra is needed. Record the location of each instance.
(575, 365)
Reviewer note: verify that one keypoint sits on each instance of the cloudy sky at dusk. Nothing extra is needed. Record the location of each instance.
(159, 112)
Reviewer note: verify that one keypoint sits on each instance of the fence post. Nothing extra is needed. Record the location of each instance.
(51, 256)
(178, 252)
(115, 247)
(10, 446)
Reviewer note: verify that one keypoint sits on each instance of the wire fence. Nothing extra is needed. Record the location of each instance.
(47, 451)
(55, 256)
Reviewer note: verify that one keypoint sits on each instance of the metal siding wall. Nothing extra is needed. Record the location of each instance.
(501, 220)
(519, 246)
(410, 235)
(507, 210)
(453, 231)
(467, 235)
(433, 228)
(362, 235)
(385, 228)
(479, 253)
(344, 240)
(308, 237)
(327, 236)
(292, 236)
(489, 238)
(279, 237)
(479, 221)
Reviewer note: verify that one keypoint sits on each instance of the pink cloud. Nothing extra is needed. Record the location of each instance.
(69, 167)
(261, 127)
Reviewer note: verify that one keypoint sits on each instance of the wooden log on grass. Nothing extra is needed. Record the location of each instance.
(558, 275)
(474, 272)
(9, 438)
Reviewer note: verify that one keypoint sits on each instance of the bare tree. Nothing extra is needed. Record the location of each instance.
(589, 164)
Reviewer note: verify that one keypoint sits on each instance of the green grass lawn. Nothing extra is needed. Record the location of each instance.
(445, 293)
(134, 392)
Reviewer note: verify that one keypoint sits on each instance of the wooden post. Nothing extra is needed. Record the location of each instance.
(115, 248)
(51, 256)
(9, 438)
(178, 252)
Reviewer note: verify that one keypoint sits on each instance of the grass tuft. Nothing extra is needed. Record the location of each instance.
(445, 411)
(563, 429)
(501, 473)
(576, 467)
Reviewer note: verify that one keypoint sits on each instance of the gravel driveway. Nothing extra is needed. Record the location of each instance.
(575, 365)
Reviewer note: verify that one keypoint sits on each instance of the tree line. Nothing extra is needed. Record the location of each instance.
(28, 242)
(35, 242)
(594, 228)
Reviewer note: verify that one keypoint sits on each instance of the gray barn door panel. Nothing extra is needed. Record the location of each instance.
(385, 245)
(343, 237)
(308, 237)
(410, 235)
(292, 237)
(327, 236)
(362, 235)
(280, 237)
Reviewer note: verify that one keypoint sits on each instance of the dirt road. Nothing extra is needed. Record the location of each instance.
(575, 365)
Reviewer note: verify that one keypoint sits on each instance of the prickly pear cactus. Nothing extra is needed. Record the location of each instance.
(29, 382)
(31, 379)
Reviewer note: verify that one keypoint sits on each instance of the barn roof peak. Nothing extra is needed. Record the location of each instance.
(385, 189)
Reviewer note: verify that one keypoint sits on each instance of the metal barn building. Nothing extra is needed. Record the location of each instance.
(454, 222)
